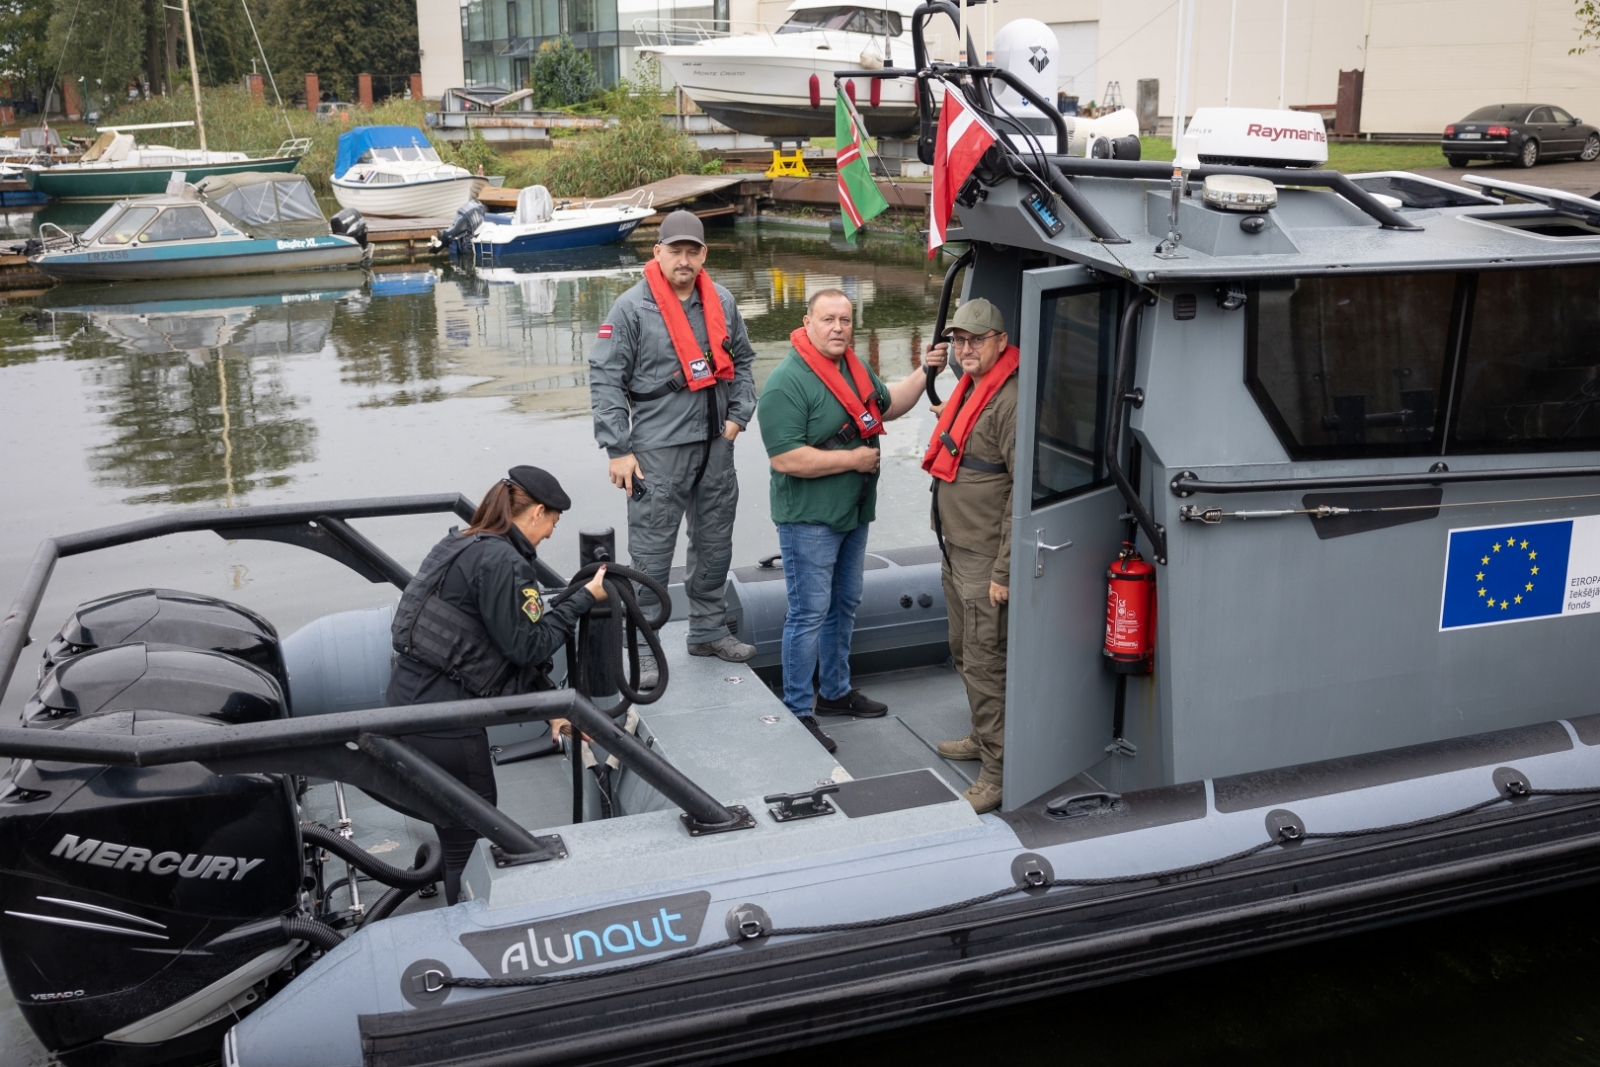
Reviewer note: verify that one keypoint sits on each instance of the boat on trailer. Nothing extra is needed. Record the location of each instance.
(1341, 425)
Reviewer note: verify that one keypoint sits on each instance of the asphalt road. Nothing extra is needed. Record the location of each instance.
(1580, 178)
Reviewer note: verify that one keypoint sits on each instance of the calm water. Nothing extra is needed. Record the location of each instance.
(123, 401)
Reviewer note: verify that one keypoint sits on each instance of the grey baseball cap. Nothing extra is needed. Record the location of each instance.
(976, 316)
(682, 226)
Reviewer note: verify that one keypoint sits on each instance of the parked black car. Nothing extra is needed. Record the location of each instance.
(1519, 133)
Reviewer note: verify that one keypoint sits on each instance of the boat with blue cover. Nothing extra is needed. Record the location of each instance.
(257, 223)
(394, 171)
(1343, 425)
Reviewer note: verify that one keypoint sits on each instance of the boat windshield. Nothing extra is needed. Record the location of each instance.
(127, 225)
(848, 19)
(402, 154)
(179, 224)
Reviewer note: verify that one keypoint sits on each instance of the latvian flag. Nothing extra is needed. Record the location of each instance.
(859, 198)
(963, 139)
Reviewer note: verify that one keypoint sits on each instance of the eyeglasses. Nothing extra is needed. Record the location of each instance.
(974, 343)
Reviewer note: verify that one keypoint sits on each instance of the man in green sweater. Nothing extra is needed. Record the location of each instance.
(820, 413)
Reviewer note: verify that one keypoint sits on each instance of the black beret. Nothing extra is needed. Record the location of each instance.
(541, 485)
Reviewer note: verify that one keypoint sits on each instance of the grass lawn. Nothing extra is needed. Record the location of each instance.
(1351, 157)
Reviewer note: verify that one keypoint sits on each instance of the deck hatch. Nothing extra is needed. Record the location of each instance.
(861, 797)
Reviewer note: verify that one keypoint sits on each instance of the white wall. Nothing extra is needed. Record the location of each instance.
(439, 35)
(1079, 44)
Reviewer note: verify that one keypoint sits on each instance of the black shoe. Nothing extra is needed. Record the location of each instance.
(854, 703)
(810, 723)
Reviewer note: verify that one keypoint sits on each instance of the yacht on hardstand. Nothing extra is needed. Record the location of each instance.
(1341, 427)
(778, 80)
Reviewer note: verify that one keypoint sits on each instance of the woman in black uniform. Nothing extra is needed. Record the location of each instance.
(473, 623)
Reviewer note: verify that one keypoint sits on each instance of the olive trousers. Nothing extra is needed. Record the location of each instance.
(978, 647)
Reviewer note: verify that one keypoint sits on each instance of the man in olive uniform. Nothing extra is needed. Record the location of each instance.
(971, 457)
(671, 386)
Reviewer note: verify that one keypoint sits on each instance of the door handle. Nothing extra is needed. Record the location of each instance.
(1040, 548)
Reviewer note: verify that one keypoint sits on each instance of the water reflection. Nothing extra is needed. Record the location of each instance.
(210, 391)
(198, 408)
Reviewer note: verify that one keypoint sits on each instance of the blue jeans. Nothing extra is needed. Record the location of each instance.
(822, 575)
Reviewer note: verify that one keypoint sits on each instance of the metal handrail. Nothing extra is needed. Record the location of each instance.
(357, 747)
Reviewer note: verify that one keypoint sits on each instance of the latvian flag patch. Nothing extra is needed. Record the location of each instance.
(605, 330)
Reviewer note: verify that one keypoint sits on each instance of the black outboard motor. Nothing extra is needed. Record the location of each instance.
(169, 617)
(115, 884)
(349, 223)
(458, 236)
(185, 681)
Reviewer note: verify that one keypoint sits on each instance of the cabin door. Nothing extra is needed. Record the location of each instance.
(1064, 534)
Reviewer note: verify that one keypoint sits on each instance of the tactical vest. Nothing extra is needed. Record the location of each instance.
(437, 634)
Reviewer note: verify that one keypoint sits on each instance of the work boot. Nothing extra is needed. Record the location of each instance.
(649, 672)
(726, 647)
(964, 749)
(983, 795)
(854, 703)
(810, 723)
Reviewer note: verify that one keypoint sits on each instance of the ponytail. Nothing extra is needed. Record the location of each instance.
(501, 504)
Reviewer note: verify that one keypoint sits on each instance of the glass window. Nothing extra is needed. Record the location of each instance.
(1540, 114)
(128, 225)
(1532, 371)
(1079, 330)
(179, 224)
(1557, 115)
(1350, 365)
(513, 21)
(1495, 113)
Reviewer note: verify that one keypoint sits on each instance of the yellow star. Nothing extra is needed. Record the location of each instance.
(1485, 561)
(1524, 544)
(1503, 605)
(1482, 592)
(1530, 587)
(1480, 576)
(1534, 571)
(1517, 598)
(1533, 555)
(1510, 542)
(1497, 546)
(1490, 602)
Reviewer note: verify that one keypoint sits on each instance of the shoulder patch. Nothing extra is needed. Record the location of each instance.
(605, 330)
(532, 603)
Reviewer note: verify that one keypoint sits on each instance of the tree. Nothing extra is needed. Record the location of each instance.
(562, 75)
(1589, 25)
(339, 39)
(25, 56)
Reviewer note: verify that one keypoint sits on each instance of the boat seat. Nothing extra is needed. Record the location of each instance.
(533, 205)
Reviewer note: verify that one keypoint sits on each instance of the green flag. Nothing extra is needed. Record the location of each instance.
(859, 198)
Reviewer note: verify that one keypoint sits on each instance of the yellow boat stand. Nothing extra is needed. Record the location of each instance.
(788, 162)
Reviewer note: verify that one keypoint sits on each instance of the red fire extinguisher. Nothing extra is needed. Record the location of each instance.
(1130, 613)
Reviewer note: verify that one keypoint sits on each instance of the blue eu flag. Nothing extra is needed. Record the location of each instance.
(1499, 574)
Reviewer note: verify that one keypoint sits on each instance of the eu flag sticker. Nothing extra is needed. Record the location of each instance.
(1496, 574)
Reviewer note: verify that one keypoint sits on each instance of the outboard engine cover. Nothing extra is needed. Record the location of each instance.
(115, 883)
(170, 678)
(349, 223)
(170, 617)
(458, 236)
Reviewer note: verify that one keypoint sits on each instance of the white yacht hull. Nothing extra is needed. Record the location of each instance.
(759, 90)
(436, 198)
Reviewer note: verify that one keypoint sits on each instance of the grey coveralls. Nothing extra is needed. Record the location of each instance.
(677, 439)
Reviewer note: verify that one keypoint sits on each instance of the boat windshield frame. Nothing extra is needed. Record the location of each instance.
(843, 19)
(400, 154)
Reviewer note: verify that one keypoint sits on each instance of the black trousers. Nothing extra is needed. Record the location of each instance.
(467, 760)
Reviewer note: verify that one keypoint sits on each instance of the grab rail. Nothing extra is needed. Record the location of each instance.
(1188, 483)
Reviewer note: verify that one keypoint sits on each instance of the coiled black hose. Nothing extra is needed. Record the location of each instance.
(429, 860)
(429, 855)
(625, 627)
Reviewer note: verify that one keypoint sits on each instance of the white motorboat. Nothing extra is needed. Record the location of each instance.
(393, 172)
(538, 225)
(778, 81)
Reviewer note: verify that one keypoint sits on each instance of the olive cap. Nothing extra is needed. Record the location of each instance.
(541, 485)
(977, 317)
(682, 225)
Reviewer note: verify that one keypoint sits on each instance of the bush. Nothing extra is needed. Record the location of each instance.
(638, 150)
(562, 75)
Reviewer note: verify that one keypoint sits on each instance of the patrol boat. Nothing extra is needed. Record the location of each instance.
(1342, 429)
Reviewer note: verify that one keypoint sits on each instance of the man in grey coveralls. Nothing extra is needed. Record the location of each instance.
(670, 444)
